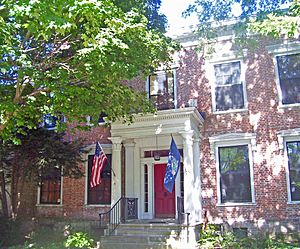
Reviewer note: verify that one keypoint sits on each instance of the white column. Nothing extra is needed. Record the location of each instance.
(197, 201)
(116, 169)
(130, 173)
(188, 169)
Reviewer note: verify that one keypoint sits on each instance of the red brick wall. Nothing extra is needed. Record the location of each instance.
(262, 117)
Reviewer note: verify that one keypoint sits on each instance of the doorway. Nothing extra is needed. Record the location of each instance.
(164, 201)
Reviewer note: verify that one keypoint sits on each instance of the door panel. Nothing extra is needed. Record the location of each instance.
(164, 201)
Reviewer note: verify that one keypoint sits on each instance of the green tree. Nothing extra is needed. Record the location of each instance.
(220, 10)
(39, 153)
(150, 9)
(279, 24)
(264, 17)
(71, 58)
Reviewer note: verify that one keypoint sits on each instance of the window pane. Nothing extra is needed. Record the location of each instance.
(228, 73)
(51, 187)
(229, 97)
(161, 87)
(234, 174)
(100, 194)
(289, 77)
(229, 89)
(293, 149)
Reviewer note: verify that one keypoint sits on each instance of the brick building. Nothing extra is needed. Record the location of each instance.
(235, 118)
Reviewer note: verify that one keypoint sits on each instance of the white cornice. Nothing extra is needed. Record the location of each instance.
(285, 47)
(232, 139)
(163, 122)
(286, 135)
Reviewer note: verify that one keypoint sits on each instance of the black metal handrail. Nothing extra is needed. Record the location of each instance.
(112, 218)
(125, 208)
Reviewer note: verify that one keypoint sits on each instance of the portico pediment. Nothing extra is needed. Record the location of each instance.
(162, 122)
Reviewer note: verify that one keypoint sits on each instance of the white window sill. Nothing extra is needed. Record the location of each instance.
(293, 202)
(230, 111)
(289, 106)
(49, 205)
(233, 204)
(97, 205)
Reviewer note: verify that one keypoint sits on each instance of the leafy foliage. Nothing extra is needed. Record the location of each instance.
(150, 9)
(78, 240)
(279, 24)
(70, 58)
(265, 17)
(221, 10)
(213, 238)
(42, 150)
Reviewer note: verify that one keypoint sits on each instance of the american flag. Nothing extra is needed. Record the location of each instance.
(98, 163)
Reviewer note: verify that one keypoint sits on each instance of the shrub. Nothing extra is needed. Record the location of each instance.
(78, 240)
(213, 238)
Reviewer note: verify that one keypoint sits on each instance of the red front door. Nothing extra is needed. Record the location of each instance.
(164, 201)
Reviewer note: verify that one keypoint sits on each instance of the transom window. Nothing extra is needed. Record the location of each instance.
(100, 194)
(289, 78)
(229, 93)
(50, 191)
(293, 152)
(161, 90)
(234, 174)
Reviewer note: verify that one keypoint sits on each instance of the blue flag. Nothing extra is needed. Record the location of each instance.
(172, 167)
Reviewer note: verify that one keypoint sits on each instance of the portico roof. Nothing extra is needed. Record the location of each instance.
(162, 122)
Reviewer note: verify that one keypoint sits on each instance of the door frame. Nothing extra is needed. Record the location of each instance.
(151, 208)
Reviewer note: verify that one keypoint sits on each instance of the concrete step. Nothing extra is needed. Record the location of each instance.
(141, 238)
(147, 236)
(127, 230)
(122, 245)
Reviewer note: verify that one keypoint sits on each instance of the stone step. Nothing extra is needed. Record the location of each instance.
(127, 245)
(137, 238)
(148, 236)
(126, 230)
(167, 227)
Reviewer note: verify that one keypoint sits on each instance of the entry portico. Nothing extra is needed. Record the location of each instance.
(149, 134)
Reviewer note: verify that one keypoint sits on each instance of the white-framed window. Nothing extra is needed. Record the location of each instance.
(286, 57)
(226, 71)
(229, 89)
(161, 88)
(289, 142)
(288, 68)
(233, 154)
(100, 194)
(50, 189)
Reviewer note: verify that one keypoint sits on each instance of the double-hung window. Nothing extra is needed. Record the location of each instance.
(161, 87)
(293, 154)
(229, 89)
(288, 67)
(234, 164)
(100, 194)
(289, 142)
(50, 189)
(234, 174)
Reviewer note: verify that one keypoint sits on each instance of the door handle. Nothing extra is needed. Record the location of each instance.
(165, 194)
